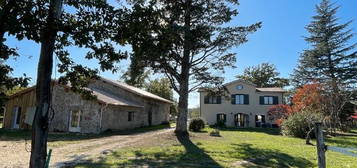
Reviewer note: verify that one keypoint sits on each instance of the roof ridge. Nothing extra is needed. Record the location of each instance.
(135, 90)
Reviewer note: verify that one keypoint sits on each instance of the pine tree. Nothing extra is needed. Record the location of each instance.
(186, 40)
(331, 58)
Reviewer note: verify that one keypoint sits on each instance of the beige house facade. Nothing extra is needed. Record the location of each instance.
(243, 105)
(118, 107)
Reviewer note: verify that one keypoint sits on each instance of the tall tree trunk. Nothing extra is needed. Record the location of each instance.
(43, 87)
(181, 126)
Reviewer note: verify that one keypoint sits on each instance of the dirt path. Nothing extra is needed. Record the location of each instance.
(13, 153)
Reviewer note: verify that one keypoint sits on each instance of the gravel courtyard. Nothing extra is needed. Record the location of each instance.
(14, 154)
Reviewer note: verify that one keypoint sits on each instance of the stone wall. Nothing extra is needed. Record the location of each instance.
(64, 101)
(159, 110)
(95, 117)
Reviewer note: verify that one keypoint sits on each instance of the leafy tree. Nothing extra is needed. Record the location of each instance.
(331, 57)
(194, 112)
(309, 96)
(279, 112)
(138, 81)
(160, 87)
(187, 41)
(264, 75)
(11, 18)
(86, 24)
(331, 60)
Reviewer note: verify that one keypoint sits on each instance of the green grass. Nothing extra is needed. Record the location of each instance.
(235, 148)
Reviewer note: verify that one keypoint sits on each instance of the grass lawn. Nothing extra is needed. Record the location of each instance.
(249, 147)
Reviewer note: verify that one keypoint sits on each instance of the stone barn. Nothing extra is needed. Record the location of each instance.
(118, 107)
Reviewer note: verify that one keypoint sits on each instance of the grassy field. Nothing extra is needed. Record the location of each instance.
(235, 148)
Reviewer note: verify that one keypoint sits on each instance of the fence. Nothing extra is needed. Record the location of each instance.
(322, 148)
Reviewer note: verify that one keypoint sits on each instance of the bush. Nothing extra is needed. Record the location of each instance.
(220, 124)
(214, 132)
(196, 125)
(299, 123)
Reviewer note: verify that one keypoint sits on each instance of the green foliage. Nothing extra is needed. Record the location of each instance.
(194, 112)
(300, 123)
(264, 75)
(135, 78)
(160, 87)
(332, 56)
(188, 41)
(214, 132)
(220, 124)
(161, 34)
(196, 124)
(84, 24)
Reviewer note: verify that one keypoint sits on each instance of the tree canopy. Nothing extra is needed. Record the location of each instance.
(188, 41)
(58, 25)
(331, 56)
(263, 75)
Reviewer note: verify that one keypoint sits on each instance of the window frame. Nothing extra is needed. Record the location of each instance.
(239, 87)
(274, 100)
(209, 99)
(220, 118)
(131, 116)
(240, 99)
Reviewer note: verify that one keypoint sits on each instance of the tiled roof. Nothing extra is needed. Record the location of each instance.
(136, 90)
(108, 98)
(272, 89)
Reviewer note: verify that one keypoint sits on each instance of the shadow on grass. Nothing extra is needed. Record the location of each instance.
(342, 141)
(257, 158)
(17, 135)
(192, 157)
(270, 131)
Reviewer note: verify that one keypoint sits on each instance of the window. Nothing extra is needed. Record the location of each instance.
(268, 100)
(259, 120)
(241, 120)
(74, 121)
(240, 99)
(221, 117)
(131, 116)
(239, 87)
(212, 99)
(16, 117)
(75, 118)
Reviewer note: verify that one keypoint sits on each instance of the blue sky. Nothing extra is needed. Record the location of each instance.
(279, 41)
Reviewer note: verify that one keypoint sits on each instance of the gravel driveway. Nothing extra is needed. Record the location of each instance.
(13, 153)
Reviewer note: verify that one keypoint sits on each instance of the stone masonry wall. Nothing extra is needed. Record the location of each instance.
(64, 101)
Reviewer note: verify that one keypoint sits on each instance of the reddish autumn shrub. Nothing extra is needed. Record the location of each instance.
(310, 95)
(279, 112)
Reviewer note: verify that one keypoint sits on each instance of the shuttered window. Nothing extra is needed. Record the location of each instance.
(268, 100)
(212, 100)
(240, 99)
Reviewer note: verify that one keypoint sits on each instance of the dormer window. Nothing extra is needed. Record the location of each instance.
(239, 87)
